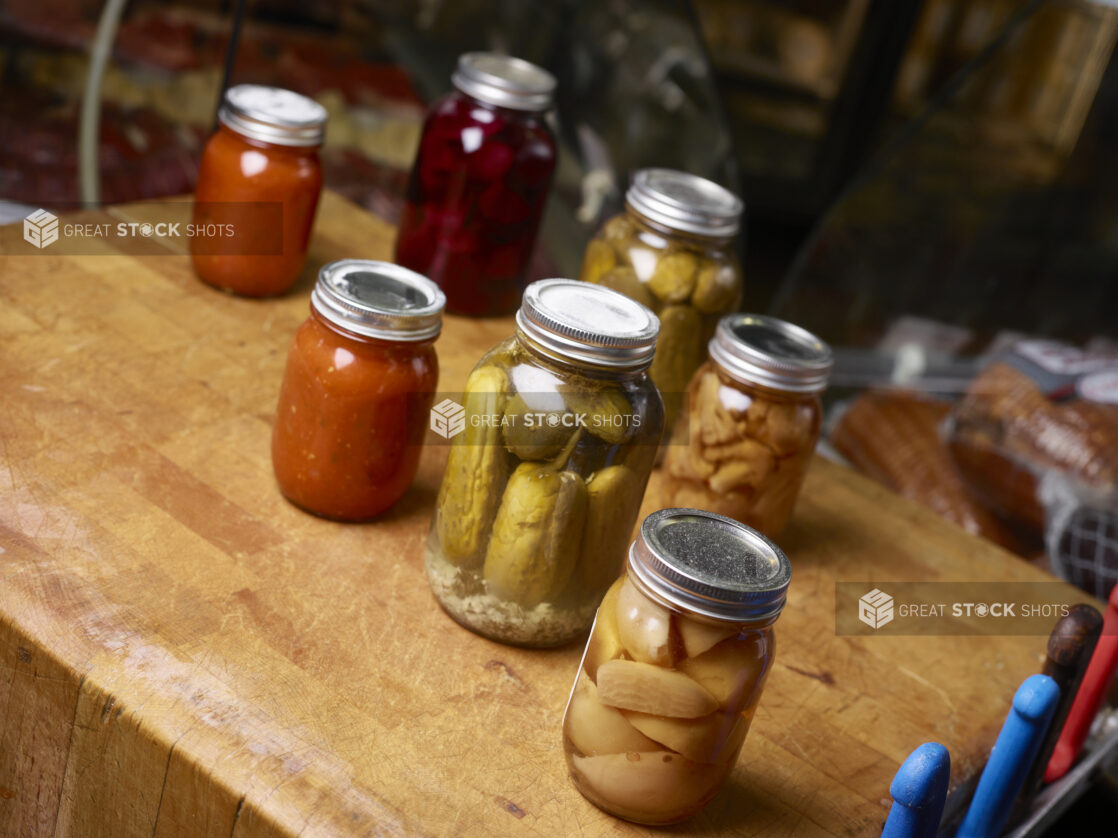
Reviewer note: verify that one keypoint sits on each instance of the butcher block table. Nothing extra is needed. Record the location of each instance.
(184, 653)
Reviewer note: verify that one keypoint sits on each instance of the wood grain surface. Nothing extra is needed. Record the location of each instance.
(183, 653)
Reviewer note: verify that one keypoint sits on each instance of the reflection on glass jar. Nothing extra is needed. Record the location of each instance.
(258, 189)
(479, 184)
(672, 250)
(359, 383)
(543, 485)
(753, 418)
(674, 667)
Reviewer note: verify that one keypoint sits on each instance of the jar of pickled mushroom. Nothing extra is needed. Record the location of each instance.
(543, 485)
(753, 417)
(359, 383)
(673, 250)
(257, 192)
(479, 184)
(674, 666)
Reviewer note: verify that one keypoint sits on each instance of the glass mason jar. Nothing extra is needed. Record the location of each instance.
(542, 488)
(479, 184)
(674, 666)
(753, 418)
(672, 250)
(257, 192)
(359, 383)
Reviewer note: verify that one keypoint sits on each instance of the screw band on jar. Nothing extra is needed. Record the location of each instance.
(710, 565)
(590, 324)
(685, 202)
(757, 349)
(273, 115)
(379, 300)
(504, 81)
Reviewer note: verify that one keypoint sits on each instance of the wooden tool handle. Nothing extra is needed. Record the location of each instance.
(919, 791)
(1013, 754)
(1070, 647)
(1089, 697)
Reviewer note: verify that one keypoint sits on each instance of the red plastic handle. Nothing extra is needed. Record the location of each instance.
(1090, 695)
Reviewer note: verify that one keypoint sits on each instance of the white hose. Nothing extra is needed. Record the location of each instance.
(89, 127)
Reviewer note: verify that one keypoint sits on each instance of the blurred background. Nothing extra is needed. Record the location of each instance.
(926, 181)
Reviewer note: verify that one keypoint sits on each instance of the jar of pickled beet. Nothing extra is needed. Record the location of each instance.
(479, 183)
(674, 666)
(753, 418)
(356, 393)
(258, 188)
(673, 250)
(543, 486)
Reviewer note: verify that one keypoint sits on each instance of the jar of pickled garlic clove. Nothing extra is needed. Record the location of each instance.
(479, 184)
(673, 250)
(674, 666)
(543, 485)
(257, 192)
(360, 380)
(753, 418)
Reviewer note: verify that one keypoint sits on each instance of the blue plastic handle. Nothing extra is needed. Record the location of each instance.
(1013, 754)
(919, 791)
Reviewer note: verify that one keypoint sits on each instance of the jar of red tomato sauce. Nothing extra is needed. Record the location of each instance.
(358, 387)
(479, 183)
(258, 188)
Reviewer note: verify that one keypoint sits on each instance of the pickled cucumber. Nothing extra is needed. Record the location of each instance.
(604, 411)
(623, 279)
(599, 258)
(535, 439)
(613, 498)
(476, 469)
(533, 548)
(716, 289)
(673, 278)
(679, 350)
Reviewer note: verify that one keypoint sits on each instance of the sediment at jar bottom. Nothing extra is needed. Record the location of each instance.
(463, 595)
(476, 471)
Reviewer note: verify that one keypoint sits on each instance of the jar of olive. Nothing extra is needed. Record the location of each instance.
(674, 666)
(672, 250)
(543, 484)
(753, 418)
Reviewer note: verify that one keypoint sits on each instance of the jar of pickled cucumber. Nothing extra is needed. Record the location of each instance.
(543, 484)
(674, 666)
(753, 418)
(673, 250)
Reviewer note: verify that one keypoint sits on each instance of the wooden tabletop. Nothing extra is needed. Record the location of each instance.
(184, 653)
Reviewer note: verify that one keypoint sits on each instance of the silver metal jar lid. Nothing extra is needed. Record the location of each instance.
(504, 81)
(273, 115)
(758, 349)
(589, 324)
(710, 565)
(685, 202)
(379, 300)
